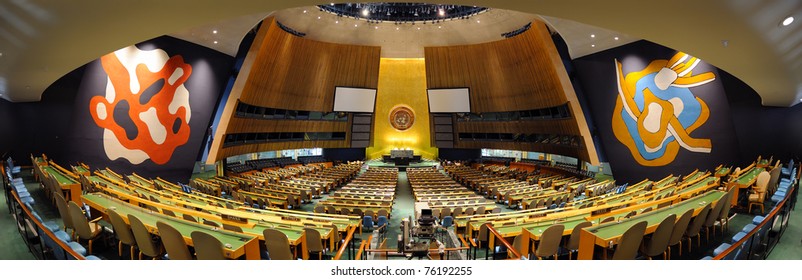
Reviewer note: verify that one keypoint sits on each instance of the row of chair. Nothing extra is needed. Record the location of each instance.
(42, 235)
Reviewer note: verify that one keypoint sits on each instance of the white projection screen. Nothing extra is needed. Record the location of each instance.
(449, 100)
(359, 100)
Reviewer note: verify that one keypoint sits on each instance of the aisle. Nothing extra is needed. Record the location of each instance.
(403, 207)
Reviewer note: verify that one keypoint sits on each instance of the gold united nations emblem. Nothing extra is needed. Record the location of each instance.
(402, 117)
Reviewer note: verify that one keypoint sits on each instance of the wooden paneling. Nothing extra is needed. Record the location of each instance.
(274, 146)
(294, 73)
(507, 75)
(245, 125)
(284, 71)
(560, 127)
(520, 73)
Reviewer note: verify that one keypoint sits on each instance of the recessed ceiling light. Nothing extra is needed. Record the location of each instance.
(365, 12)
(439, 27)
(592, 35)
(616, 38)
(304, 11)
(441, 12)
(318, 17)
(215, 42)
(336, 21)
(355, 25)
(787, 21)
(214, 31)
(418, 28)
(376, 27)
(592, 46)
(331, 4)
(396, 28)
(478, 21)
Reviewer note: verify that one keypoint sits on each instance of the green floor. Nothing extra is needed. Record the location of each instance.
(789, 247)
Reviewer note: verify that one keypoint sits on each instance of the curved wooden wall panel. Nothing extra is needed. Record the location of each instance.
(284, 71)
(244, 125)
(507, 75)
(520, 73)
(294, 73)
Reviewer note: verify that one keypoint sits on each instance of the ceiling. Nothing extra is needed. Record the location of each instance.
(42, 40)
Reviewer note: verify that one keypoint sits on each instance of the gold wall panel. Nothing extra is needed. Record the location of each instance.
(401, 81)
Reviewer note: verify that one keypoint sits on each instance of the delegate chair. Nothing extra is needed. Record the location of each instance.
(482, 240)
(314, 243)
(320, 209)
(278, 246)
(628, 244)
(712, 217)
(345, 211)
(724, 215)
(517, 244)
(382, 223)
(64, 212)
(189, 217)
(207, 247)
(123, 233)
(658, 242)
(143, 239)
(758, 195)
(447, 222)
(367, 223)
(695, 228)
(168, 212)
(468, 211)
(679, 231)
(550, 242)
(573, 241)
(382, 212)
(83, 227)
(173, 242)
(445, 212)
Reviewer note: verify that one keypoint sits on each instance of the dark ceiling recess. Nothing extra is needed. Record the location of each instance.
(402, 12)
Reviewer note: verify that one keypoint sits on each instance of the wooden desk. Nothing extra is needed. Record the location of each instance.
(743, 181)
(241, 244)
(608, 234)
(67, 184)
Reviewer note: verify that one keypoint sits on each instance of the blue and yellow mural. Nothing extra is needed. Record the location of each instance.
(656, 112)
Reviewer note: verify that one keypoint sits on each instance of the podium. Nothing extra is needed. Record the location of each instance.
(401, 157)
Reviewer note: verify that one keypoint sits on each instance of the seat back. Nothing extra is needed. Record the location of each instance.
(630, 241)
(712, 216)
(314, 242)
(725, 211)
(658, 243)
(483, 235)
(79, 220)
(698, 222)
(680, 227)
(573, 241)
(278, 246)
(550, 241)
(446, 211)
(121, 230)
(762, 183)
(207, 247)
(482, 209)
(382, 221)
(143, 238)
(63, 211)
(367, 222)
(447, 221)
(382, 212)
(168, 212)
(173, 242)
(189, 217)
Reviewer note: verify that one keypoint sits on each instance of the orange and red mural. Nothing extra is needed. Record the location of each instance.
(161, 121)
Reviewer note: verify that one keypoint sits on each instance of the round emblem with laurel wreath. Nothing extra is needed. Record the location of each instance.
(402, 117)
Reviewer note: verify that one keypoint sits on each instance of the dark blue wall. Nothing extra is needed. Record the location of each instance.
(61, 125)
(597, 76)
